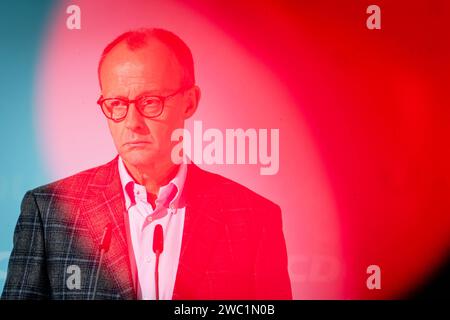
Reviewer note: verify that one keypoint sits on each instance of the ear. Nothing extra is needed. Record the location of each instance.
(193, 97)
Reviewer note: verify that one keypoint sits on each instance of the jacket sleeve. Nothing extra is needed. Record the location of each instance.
(27, 274)
(271, 271)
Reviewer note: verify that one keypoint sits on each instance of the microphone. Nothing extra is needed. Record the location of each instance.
(103, 247)
(158, 247)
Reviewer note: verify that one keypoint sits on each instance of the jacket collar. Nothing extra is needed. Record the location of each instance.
(104, 204)
(203, 227)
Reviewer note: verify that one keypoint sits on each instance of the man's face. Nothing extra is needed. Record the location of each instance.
(152, 70)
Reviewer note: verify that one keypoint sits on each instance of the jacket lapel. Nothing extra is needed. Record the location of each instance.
(203, 227)
(104, 204)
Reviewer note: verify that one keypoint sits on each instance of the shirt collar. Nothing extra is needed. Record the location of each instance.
(166, 197)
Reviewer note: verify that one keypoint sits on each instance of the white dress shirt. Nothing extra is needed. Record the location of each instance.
(169, 213)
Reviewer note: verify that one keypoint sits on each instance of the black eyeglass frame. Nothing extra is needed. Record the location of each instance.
(127, 102)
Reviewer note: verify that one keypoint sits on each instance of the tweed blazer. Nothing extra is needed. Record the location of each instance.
(232, 244)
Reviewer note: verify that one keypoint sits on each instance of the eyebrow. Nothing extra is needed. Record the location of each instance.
(142, 94)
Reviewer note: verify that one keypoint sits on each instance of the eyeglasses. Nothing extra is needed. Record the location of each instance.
(116, 109)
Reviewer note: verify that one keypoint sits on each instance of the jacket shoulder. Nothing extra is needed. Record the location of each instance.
(233, 194)
(75, 184)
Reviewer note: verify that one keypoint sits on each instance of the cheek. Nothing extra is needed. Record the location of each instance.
(160, 131)
(162, 128)
(115, 130)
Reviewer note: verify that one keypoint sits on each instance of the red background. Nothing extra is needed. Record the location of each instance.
(374, 104)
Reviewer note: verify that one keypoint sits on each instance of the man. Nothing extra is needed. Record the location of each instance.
(220, 240)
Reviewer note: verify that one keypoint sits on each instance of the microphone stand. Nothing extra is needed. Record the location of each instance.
(104, 247)
(157, 275)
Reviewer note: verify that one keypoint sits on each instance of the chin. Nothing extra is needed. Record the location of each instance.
(139, 157)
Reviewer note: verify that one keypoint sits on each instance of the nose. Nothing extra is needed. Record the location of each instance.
(134, 120)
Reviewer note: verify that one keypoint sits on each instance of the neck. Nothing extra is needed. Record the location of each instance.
(154, 175)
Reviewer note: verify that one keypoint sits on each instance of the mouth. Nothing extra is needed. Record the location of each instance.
(136, 143)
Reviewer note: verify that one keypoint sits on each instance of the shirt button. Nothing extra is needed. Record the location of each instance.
(172, 206)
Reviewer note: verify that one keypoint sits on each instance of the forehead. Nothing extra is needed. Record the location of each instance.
(152, 67)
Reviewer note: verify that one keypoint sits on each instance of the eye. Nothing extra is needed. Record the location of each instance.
(149, 102)
(113, 103)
